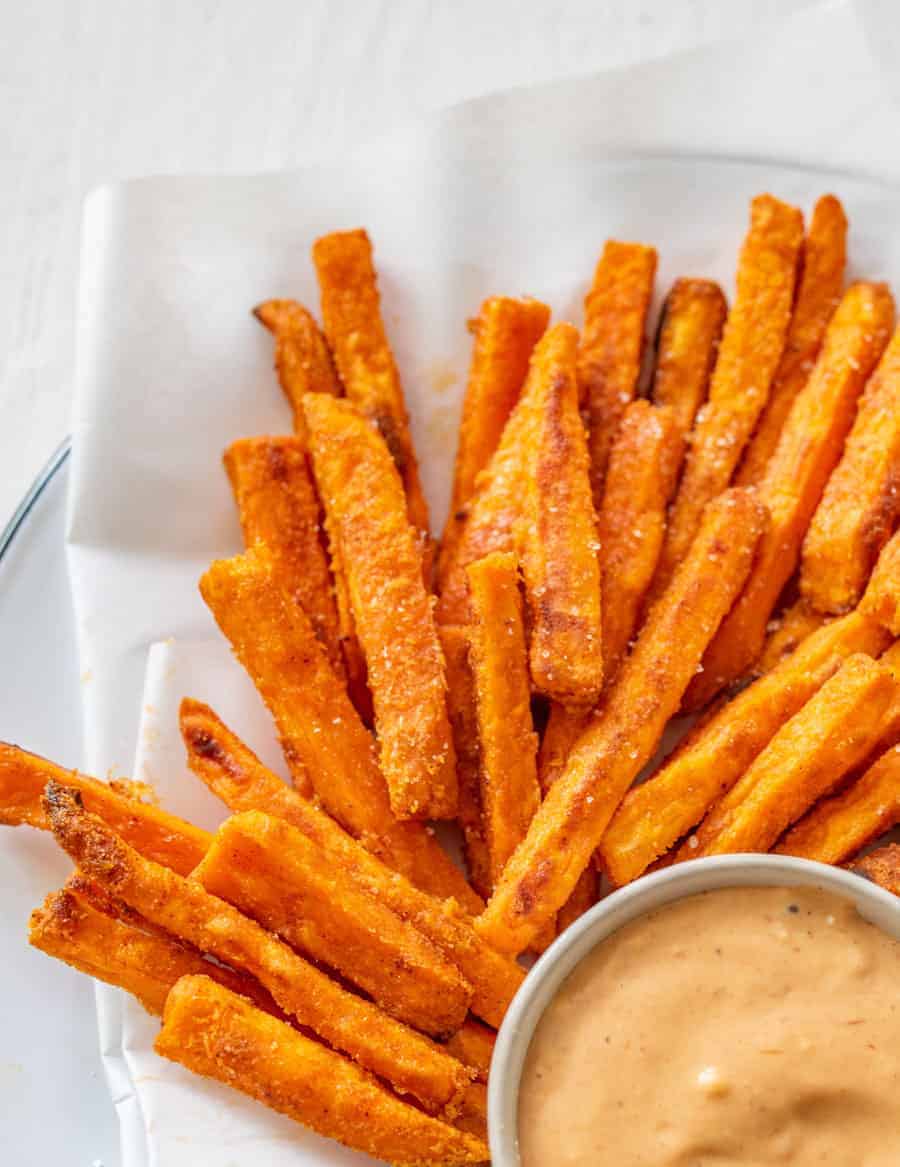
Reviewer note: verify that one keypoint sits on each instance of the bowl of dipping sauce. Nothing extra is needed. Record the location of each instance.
(741, 1010)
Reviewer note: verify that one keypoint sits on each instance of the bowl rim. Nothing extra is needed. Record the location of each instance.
(646, 894)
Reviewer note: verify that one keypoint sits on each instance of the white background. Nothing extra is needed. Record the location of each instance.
(96, 90)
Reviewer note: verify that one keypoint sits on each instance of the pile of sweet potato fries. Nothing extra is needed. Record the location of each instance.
(723, 543)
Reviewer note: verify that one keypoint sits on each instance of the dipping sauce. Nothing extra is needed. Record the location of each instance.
(751, 1026)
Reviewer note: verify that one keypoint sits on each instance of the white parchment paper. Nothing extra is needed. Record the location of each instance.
(511, 194)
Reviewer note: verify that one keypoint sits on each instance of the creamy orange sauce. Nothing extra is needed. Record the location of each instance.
(751, 1026)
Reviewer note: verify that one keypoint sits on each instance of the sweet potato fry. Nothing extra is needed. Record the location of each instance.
(278, 508)
(624, 735)
(506, 331)
(751, 349)
(406, 1059)
(689, 334)
(792, 484)
(714, 755)
(807, 757)
(464, 723)
(320, 730)
(882, 867)
(236, 775)
(351, 312)
(612, 344)
(321, 913)
(563, 729)
(861, 503)
(302, 356)
(556, 531)
(363, 498)
(821, 279)
(71, 928)
(155, 833)
(881, 599)
(473, 1045)
(220, 1035)
(583, 897)
(510, 794)
(837, 828)
(631, 524)
(787, 634)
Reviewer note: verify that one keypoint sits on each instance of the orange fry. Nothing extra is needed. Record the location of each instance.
(234, 774)
(714, 755)
(321, 913)
(837, 828)
(464, 723)
(366, 514)
(505, 330)
(321, 733)
(612, 344)
(406, 1059)
(556, 533)
(624, 735)
(351, 312)
(686, 349)
(302, 357)
(507, 742)
(818, 294)
(73, 929)
(632, 521)
(155, 833)
(751, 349)
(882, 867)
(861, 503)
(473, 1045)
(882, 595)
(563, 729)
(220, 1035)
(833, 732)
(789, 631)
(792, 484)
(279, 509)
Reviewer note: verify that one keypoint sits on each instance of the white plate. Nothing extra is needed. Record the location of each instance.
(55, 1102)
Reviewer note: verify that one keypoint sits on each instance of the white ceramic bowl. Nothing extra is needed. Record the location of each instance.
(644, 895)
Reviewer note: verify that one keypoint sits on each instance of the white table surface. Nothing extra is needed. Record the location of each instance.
(94, 90)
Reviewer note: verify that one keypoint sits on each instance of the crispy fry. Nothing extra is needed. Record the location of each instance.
(351, 312)
(352, 654)
(882, 595)
(711, 759)
(320, 911)
(624, 735)
(609, 361)
(278, 507)
(320, 730)
(236, 775)
(510, 794)
(464, 723)
(631, 524)
(152, 831)
(363, 499)
(406, 1059)
(882, 867)
(302, 356)
(807, 757)
(789, 631)
(506, 330)
(861, 503)
(556, 532)
(472, 1118)
(71, 927)
(689, 333)
(837, 828)
(220, 1035)
(563, 729)
(822, 276)
(582, 899)
(807, 452)
(751, 348)
(473, 1045)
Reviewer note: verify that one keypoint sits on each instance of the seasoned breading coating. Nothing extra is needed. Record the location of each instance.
(882, 867)
(787, 633)
(392, 612)
(881, 599)
(302, 356)
(688, 342)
